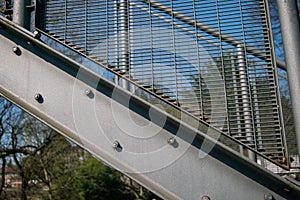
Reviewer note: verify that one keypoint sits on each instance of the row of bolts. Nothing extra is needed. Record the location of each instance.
(116, 145)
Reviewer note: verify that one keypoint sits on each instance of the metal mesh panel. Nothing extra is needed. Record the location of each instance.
(211, 58)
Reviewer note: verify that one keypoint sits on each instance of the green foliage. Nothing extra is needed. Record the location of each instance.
(94, 180)
(63, 170)
(48, 166)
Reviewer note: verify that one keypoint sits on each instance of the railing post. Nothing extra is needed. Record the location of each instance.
(236, 97)
(246, 104)
(124, 40)
(116, 37)
(21, 14)
(289, 24)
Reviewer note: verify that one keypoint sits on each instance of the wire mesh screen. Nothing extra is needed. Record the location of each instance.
(211, 58)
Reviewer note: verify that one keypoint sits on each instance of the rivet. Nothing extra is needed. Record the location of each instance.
(39, 98)
(205, 197)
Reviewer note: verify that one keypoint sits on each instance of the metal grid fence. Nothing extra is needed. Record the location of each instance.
(211, 58)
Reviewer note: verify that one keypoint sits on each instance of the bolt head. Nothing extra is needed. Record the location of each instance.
(116, 144)
(88, 91)
(39, 98)
(172, 140)
(15, 49)
(36, 34)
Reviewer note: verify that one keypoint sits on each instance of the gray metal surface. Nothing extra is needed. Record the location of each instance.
(191, 167)
(289, 24)
(184, 52)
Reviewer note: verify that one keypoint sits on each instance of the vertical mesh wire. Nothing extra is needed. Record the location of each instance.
(211, 58)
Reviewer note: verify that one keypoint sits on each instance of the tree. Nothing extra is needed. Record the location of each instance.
(51, 167)
(98, 181)
(276, 27)
(20, 137)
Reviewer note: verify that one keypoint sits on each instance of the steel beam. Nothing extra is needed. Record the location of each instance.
(289, 24)
(159, 151)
